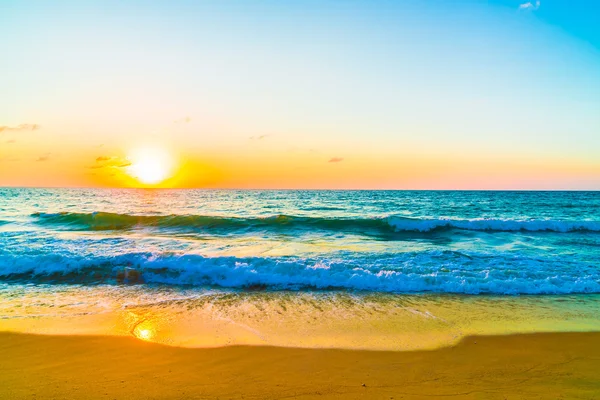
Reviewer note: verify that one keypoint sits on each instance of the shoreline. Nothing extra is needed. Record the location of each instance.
(196, 319)
(522, 366)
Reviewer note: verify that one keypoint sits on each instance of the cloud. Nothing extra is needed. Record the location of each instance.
(11, 141)
(22, 127)
(336, 159)
(530, 6)
(261, 137)
(110, 162)
(44, 157)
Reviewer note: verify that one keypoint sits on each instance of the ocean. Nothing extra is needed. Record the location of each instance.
(281, 264)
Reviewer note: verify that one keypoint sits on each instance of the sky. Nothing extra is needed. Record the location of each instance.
(407, 94)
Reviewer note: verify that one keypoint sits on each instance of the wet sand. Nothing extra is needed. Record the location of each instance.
(532, 366)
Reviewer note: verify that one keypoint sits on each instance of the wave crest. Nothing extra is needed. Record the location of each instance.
(493, 225)
(383, 225)
(430, 271)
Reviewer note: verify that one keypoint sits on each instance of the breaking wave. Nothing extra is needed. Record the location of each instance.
(388, 224)
(412, 272)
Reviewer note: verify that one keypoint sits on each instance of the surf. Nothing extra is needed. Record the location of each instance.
(385, 224)
(411, 272)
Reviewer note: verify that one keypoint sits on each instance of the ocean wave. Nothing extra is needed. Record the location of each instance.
(412, 272)
(388, 224)
(493, 225)
(113, 221)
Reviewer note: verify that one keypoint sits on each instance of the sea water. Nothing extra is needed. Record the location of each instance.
(381, 269)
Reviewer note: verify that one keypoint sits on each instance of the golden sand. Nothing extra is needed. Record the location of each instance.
(533, 366)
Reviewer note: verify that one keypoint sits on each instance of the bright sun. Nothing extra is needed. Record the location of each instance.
(150, 165)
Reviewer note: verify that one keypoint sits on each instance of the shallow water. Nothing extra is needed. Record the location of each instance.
(195, 317)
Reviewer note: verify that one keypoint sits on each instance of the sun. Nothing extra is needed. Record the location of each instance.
(150, 165)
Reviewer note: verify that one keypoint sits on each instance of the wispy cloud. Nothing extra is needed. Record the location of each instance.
(22, 127)
(530, 6)
(110, 162)
(43, 157)
(261, 137)
(336, 159)
(11, 141)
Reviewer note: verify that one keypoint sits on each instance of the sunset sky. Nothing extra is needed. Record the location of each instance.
(497, 94)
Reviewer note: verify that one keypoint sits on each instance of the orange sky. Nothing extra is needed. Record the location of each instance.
(257, 165)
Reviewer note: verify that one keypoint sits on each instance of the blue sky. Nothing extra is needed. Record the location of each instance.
(358, 80)
(578, 19)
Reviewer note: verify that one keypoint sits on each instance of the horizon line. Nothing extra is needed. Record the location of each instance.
(299, 189)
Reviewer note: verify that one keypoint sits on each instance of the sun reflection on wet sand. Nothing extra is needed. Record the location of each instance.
(141, 327)
(144, 334)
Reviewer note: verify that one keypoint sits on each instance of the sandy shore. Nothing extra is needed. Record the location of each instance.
(536, 366)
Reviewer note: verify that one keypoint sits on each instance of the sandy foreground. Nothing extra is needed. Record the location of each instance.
(533, 366)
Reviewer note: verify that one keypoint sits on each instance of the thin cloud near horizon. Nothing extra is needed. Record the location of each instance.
(110, 161)
(21, 127)
(261, 137)
(43, 157)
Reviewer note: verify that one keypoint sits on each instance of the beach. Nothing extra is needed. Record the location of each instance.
(130, 294)
(533, 366)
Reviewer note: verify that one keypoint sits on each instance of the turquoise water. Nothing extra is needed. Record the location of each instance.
(474, 243)
(387, 270)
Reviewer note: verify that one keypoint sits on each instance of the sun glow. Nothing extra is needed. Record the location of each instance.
(150, 165)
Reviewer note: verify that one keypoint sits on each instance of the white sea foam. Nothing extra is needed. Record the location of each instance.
(432, 271)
